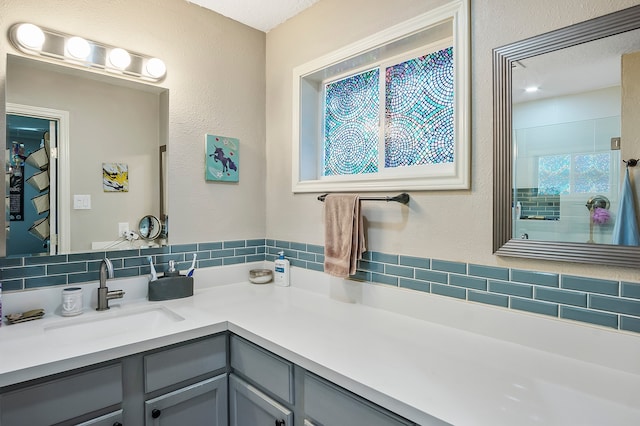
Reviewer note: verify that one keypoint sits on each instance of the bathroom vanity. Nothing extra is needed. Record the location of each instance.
(316, 353)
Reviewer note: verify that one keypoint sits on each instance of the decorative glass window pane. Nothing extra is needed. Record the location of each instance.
(351, 125)
(554, 175)
(419, 107)
(591, 173)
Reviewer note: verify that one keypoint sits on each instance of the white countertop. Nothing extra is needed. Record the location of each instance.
(421, 369)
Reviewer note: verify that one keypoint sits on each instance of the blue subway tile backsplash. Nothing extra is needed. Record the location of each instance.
(593, 317)
(536, 307)
(606, 303)
(488, 298)
(630, 290)
(534, 277)
(630, 324)
(574, 298)
(447, 266)
(591, 285)
(450, 291)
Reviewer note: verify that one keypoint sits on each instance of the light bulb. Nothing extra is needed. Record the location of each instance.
(156, 67)
(30, 36)
(119, 58)
(78, 48)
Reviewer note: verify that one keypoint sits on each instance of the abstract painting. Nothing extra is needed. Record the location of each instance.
(115, 177)
(222, 159)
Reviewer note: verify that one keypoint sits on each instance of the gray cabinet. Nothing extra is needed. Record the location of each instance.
(174, 365)
(63, 399)
(199, 382)
(328, 405)
(179, 387)
(248, 406)
(269, 371)
(203, 403)
(111, 419)
(265, 388)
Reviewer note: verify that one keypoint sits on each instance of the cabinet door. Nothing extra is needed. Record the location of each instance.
(330, 405)
(250, 407)
(272, 373)
(111, 419)
(63, 398)
(203, 403)
(184, 362)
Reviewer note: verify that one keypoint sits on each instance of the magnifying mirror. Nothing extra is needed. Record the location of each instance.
(149, 227)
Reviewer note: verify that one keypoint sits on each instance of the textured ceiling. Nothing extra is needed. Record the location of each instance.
(263, 15)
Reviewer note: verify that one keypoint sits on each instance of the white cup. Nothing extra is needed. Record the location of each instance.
(71, 301)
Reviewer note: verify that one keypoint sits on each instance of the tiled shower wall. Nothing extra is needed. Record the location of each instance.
(608, 303)
(534, 204)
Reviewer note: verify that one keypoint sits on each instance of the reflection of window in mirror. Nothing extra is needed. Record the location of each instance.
(567, 106)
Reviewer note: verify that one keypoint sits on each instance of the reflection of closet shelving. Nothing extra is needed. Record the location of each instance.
(40, 181)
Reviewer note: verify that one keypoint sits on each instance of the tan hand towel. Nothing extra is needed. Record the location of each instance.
(343, 234)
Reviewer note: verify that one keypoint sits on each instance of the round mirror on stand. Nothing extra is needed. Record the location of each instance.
(149, 227)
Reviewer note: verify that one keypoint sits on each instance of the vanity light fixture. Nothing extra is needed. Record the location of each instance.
(78, 48)
(119, 58)
(156, 68)
(77, 51)
(29, 36)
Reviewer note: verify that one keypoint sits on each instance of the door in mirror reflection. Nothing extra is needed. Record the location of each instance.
(31, 225)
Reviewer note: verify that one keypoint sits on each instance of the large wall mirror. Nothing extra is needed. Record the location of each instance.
(566, 114)
(100, 126)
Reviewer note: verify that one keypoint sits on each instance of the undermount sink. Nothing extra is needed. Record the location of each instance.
(116, 321)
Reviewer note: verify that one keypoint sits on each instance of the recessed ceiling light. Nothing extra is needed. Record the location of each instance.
(532, 89)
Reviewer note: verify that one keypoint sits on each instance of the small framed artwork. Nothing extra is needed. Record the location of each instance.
(222, 159)
(115, 177)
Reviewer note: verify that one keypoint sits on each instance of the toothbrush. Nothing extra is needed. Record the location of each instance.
(154, 276)
(193, 266)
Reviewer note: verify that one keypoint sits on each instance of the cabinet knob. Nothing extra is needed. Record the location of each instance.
(155, 413)
(279, 422)
(117, 424)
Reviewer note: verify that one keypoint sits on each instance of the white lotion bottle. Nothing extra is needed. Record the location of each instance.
(281, 276)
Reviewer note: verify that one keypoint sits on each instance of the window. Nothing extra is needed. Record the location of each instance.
(389, 112)
(418, 116)
(574, 174)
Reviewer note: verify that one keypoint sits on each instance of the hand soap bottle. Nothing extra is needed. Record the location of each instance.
(281, 276)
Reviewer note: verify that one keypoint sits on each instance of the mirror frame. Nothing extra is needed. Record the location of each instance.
(503, 58)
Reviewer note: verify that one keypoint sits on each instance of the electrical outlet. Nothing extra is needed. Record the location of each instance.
(123, 229)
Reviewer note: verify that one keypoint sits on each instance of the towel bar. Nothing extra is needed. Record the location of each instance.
(400, 198)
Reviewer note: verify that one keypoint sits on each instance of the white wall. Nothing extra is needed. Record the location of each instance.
(216, 81)
(443, 225)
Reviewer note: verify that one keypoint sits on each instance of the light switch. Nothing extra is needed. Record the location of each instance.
(81, 202)
(615, 143)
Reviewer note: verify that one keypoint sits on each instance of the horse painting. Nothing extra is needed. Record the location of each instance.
(222, 159)
(227, 163)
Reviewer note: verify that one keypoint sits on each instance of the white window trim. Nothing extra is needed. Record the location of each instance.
(447, 177)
